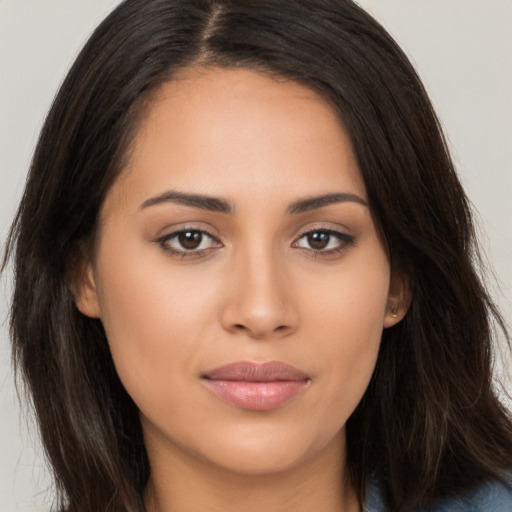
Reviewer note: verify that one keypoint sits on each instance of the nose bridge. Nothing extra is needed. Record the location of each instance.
(259, 304)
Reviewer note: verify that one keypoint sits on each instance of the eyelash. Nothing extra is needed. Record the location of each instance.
(344, 240)
(184, 253)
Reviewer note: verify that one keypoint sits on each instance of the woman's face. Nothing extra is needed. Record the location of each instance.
(239, 274)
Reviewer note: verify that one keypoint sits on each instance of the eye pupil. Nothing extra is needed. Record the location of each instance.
(190, 239)
(318, 240)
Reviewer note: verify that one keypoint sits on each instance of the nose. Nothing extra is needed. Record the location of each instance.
(259, 303)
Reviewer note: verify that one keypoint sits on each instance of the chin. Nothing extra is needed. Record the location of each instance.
(260, 462)
(270, 452)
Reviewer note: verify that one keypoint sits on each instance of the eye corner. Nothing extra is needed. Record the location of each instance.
(171, 244)
(325, 247)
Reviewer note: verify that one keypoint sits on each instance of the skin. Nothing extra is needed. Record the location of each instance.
(255, 289)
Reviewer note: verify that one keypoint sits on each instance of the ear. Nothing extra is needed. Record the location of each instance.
(84, 289)
(399, 299)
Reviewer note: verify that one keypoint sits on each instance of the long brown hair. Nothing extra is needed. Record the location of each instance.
(430, 424)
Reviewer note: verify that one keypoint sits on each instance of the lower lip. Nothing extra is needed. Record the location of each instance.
(256, 396)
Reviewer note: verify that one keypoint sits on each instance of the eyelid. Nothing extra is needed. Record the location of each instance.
(345, 239)
(164, 239)
(326, 227)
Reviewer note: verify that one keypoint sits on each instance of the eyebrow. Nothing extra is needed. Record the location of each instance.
(215, 204)
(203, 202)
(313, 203)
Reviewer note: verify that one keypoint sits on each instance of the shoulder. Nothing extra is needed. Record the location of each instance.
(492, 496)
(489, 497)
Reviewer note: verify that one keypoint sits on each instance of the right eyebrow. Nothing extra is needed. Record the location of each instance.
(204, 202)
(313, 203)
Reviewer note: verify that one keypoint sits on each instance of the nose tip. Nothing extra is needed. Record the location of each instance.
(260, 305)
(260, 327)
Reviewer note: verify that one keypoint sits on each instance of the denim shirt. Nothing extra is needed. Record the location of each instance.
(489, 497)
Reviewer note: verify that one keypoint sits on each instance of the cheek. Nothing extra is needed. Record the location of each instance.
(154, 317)
(347, 316)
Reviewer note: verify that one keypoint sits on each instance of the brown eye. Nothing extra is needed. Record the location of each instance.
(325, 241)
(190, 240)
(318, 240)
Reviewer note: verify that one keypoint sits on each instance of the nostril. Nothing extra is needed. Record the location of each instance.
(241, 327)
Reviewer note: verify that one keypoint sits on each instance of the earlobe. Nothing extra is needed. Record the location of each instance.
(85, 291)
(399, 299)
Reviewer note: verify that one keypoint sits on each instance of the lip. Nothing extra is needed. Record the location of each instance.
(256, 386)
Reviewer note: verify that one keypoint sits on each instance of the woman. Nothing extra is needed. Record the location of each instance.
(244, 273)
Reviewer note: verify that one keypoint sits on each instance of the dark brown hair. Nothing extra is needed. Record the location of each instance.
(429, 424)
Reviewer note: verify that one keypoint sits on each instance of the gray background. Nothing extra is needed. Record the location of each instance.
(461, 48)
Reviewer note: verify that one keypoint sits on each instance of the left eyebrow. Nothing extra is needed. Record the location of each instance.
(312, 203)
(200, 201)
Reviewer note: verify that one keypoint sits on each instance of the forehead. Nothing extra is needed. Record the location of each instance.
(222, 131)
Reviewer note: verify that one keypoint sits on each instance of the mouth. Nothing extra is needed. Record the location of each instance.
(256, 386)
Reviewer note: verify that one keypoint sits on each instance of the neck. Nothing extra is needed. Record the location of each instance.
(180, 482)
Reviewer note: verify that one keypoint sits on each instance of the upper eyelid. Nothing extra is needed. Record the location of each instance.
(343, 237)
(170, 232)
(302, 232)
(165, 240)
(341, 232)
(167, 237)
(323, 228)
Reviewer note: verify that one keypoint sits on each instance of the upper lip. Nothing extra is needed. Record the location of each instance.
(256, 372)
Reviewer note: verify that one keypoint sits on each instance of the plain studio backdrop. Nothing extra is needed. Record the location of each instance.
(461, 49)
